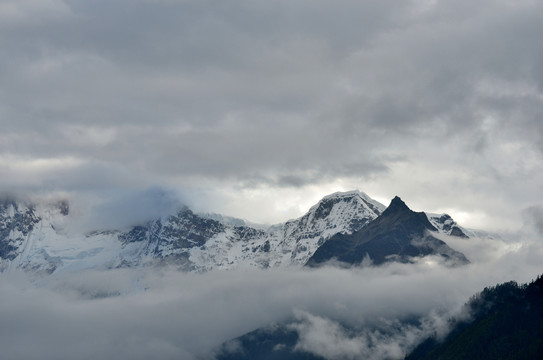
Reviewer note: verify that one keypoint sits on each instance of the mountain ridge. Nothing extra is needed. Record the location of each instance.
(186, 240)
(398, 234)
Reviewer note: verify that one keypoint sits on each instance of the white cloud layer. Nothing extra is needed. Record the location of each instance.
(163, 314)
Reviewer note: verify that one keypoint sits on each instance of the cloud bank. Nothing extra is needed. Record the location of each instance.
(164, 314)
(259, 98)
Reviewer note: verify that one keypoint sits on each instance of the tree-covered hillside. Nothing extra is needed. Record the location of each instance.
(506, 322)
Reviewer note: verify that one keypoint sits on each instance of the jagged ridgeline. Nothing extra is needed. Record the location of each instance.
(346, 226)
(398, 234)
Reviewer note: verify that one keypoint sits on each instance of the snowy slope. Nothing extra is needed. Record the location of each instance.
(34, 238)
(446, 225)
(290, 243)
(37, 238)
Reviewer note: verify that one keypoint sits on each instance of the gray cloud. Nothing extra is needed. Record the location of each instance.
(278, 94)
(391, 340)
(177, 315)
(534, 218)
(125, 209)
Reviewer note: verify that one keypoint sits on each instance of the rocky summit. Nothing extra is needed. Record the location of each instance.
(398, 234)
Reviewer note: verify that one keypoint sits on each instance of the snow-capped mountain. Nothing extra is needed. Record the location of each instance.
(200, 243)
(35, 237)
(293, 242)
(398, 234)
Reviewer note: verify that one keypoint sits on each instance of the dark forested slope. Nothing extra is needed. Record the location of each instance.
(506, 323)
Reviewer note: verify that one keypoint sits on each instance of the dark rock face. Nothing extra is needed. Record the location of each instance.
(14, 220)
(324, 209)
(398, 234)
(248, 233)
(137, 233)
(64, 207)
(276, 342)
(189, 229)
(456, 231)
(181, 231)
(449, 226)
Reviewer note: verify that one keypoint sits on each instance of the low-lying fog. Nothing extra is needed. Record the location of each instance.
(165, 314)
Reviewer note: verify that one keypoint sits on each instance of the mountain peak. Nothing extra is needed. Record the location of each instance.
(397, 200)
(398, 234)
(398, 210)
(353, 195)
(396, 205)
(343, 194)
(352, 204)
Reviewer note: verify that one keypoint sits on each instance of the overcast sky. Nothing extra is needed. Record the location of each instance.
(259, 108)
